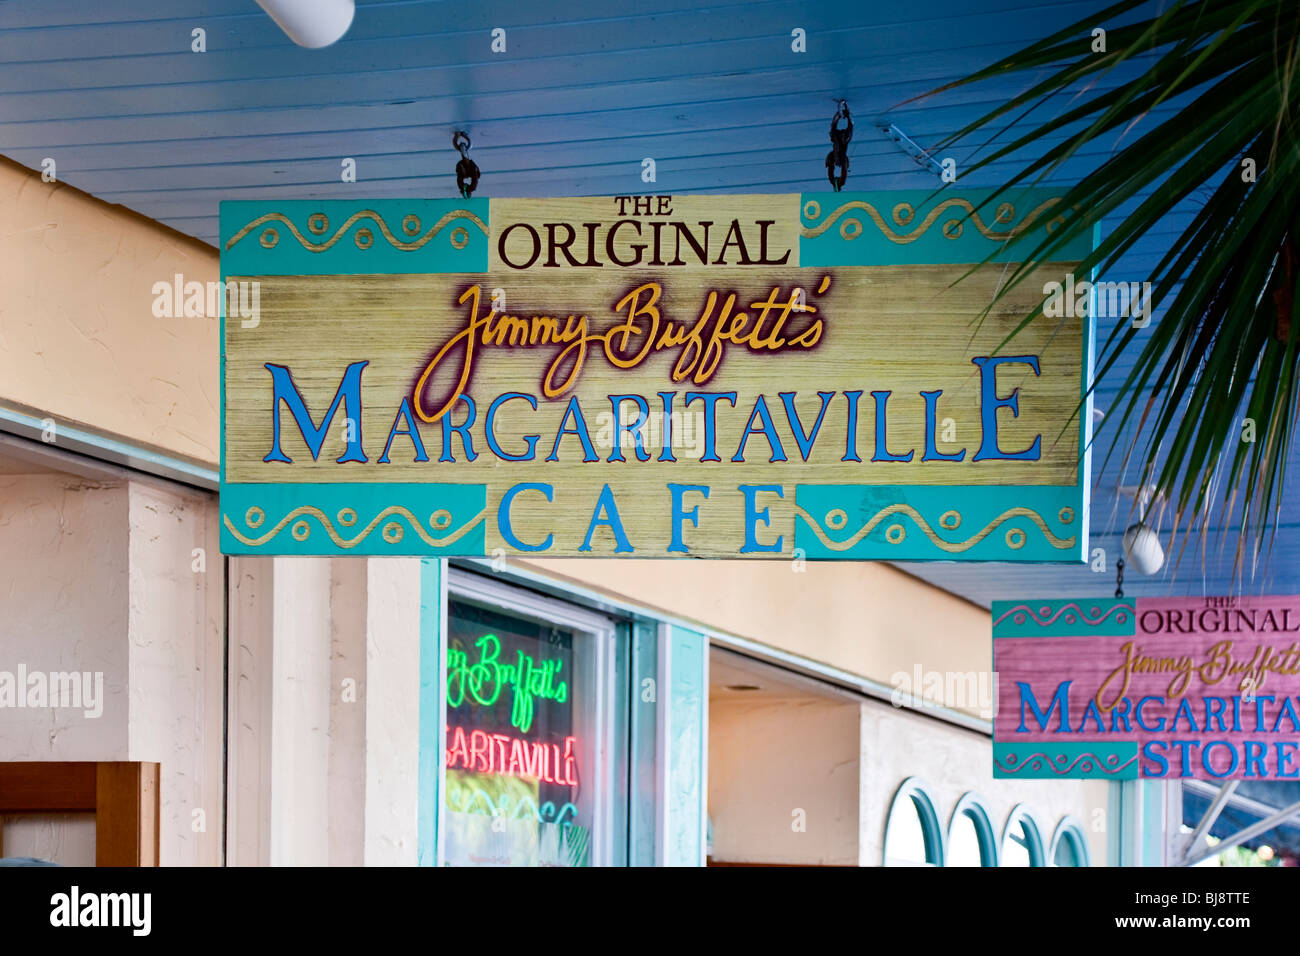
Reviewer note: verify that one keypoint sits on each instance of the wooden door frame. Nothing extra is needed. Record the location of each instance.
(123, 795)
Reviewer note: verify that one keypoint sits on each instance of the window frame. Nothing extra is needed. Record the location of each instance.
(509, 598)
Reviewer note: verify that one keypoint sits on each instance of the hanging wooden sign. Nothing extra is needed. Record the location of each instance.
(649, 376)
(1201, 687)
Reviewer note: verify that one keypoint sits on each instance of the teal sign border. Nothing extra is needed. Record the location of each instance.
(925, 227)
(1056, 761)
(358, 518)
(345, 237)
(939, 522)
(1100, 617)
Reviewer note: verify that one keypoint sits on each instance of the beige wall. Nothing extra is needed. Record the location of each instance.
(100, 578)
(65, 600)
(869, 619)
(176, 647)
(102, 359)
(783, 781)
(78, 338)
(324, 711)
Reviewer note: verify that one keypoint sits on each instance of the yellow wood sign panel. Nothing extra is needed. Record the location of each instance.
(650, 376)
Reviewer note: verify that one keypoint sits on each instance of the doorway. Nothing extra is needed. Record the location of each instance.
(784, 766)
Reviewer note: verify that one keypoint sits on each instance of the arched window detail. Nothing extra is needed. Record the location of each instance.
(913, 833)
(1069, 844)
(1022, 840)
(972, 841)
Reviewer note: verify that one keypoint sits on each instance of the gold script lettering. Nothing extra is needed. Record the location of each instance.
(643, 330)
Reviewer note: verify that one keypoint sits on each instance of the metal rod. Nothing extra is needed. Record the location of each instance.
(1211, 814)
(1240, 837)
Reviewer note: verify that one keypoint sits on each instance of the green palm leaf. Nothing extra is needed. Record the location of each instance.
(1212, 84)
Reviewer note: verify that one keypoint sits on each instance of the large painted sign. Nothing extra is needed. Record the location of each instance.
(651, 376)
(1203, 687)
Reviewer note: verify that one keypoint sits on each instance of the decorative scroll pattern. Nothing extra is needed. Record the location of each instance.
(393, 531)
(896, 533)
(1062, 764)
(903, 213)
(318, 224)
(1047, 618)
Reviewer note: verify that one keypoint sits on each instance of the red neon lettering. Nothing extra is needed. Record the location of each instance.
(570, 763)
(532, 761)
(458, 748)
(513, 756)
(499, 766)
(478, 749)
(556, 765)
(516, 767)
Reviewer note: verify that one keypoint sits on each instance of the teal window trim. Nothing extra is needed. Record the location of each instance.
(915, 796)
(643, 765)
(682, 785)
(433, 703)
(622, 759)
(1138, 838)
(1023, 818)
(971, 806)
(1070, 830)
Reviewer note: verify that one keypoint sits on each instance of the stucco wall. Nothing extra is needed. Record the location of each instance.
(64, 607)
(98, 579)
(78, 338)
(92, 352)
(897, 744)
(176, 647)
(783, 781)
(324, 711)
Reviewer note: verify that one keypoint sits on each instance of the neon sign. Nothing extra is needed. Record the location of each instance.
(484, 681)
(512, 756)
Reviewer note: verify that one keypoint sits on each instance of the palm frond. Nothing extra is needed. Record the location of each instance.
(1188, 93)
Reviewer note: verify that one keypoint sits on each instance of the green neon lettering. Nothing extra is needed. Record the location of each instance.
(484, 680)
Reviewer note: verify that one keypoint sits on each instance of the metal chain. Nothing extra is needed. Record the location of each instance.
(1119, 578)
(838, 158)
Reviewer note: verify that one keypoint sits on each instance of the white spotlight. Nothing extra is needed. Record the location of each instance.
(311, 23)
(1142, 547)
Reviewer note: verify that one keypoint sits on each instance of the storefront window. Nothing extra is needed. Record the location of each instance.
(523, 741)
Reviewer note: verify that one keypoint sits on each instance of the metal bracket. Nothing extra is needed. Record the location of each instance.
(920, 156)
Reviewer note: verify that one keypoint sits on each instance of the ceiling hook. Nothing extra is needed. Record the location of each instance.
(467, 172)
(837, 160)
